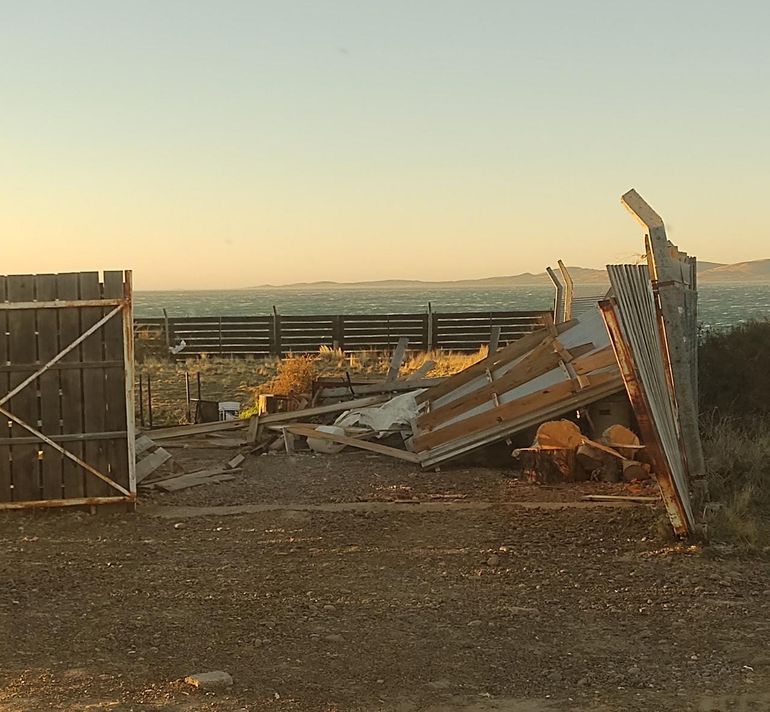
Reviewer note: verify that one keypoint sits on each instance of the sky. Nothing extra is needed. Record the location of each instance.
(231, 143)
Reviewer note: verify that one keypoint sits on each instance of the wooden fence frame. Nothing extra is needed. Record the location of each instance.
(34, 310)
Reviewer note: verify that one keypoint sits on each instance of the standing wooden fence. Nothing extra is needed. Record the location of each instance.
(66, 390)
(278, 335)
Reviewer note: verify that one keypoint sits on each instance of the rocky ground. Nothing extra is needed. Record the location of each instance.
(371, 586)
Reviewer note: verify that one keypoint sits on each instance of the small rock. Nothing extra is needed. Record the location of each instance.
(179, 525)
(329, 607)
(334, 638)
(475, 623)
(555, 676)
(215, 680)
(493, 560)
(583, 682)
(442, 684)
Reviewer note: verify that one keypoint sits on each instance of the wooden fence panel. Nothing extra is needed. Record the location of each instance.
(279, 334)
(63, 384)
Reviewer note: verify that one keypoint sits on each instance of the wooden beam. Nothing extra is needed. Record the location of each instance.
(381, 387)
(398, 358)
(354, 442)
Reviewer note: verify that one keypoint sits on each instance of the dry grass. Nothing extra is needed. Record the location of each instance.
(736, 505)
(735, 399)
(241, 379)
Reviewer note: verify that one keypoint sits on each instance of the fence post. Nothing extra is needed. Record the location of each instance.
(338, 332)
(166, 330)
(431, 335)
(220, 335)
(276, 345)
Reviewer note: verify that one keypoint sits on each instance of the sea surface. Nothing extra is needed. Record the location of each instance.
(719, 305)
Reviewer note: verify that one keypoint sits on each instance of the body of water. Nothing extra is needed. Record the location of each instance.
(719, 305)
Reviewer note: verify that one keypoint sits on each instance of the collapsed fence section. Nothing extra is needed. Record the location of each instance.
(279, 335)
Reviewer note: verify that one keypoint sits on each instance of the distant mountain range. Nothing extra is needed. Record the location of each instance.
(708, 272)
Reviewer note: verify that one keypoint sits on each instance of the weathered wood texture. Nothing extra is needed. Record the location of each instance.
(78, 402)
(278, 334)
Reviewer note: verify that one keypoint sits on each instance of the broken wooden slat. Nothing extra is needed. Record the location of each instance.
(182, 431)
(422, 371)
(147, 465)
(381, 387)
(253, 435)
(354, 442)
(143, 443)
(236, 461)
(639, 499)
(398, 358)
(190, 480)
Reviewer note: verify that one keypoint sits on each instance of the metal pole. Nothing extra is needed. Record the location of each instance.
(187, 393)
(141, 400)
(149, 398)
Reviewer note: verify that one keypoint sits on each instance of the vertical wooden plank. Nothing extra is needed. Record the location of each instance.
(5, 430)
(70, 379)
(22, 348)
(49, 408)
(129, 362)
(94, 396)
(116, 417)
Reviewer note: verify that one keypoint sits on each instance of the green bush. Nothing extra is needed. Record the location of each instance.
(734, 371)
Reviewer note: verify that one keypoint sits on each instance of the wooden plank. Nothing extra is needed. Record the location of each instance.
(115, 385)
(422, 372)
(503, 413)
(253, 435)
(68, 287)
(382, 387)
(182, 431)
(6, 491)
(22, 346)
(151, 462)
(540, 360)
(494, 339)
(592, 362)
(504, 355)
(353, 442)
(638, 499)
(94, 392)
(143, 443)
(48, 346)
(397, 359)
(321, 410)
(235, 461)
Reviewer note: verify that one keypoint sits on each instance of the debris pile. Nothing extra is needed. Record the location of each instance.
(640, 340)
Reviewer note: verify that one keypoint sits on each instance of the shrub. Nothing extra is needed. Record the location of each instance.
(733, 374)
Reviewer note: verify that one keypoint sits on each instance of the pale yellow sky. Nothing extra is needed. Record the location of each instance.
(230, 144)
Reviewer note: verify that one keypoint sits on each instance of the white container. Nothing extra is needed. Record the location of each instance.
(228, 410)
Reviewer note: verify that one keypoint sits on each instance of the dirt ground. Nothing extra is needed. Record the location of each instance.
(353, 582)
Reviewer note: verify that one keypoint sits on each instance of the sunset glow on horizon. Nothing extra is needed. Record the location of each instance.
(214, 145)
